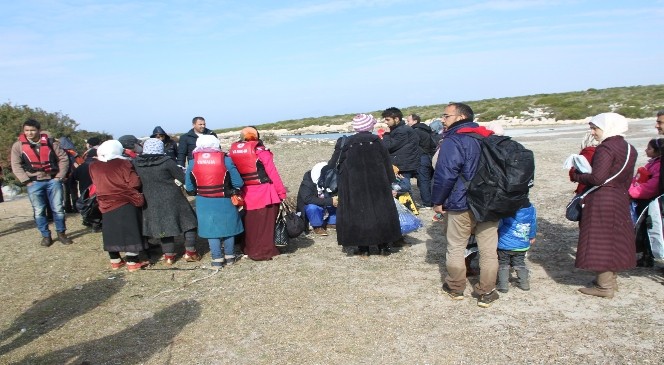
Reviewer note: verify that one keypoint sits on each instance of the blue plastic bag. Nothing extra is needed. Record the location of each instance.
(407, 220)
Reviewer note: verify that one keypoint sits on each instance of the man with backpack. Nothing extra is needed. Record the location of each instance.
(457, 163)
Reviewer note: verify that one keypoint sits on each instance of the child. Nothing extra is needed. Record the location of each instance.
(645, 187)
(400, 190)
(515, 235)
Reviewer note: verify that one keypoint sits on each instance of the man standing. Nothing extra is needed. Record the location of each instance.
(188, 140)
(427, 148)
(402, 144)
(41, 166)
(458, 163)
(659, 125)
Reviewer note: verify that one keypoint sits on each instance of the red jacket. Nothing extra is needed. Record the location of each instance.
(117, 184)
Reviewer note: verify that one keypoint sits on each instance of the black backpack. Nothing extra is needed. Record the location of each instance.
(505, 174)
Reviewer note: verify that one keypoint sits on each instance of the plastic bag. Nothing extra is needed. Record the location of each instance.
(407, 220)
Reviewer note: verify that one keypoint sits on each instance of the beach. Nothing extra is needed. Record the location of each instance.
(315, 305)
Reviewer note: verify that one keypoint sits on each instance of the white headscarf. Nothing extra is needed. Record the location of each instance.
(315, 174)
(611, 124)
(110, 150)
(207, 141)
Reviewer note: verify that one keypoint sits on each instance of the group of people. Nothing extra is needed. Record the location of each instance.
(238, 194)
(608, 241)
(138, 188)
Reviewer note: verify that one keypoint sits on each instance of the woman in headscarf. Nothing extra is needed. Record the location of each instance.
(214, 178)
(167, 213)
(263, 191)
(366, 215)
(120, 202)
(314, 203)
(606, 237)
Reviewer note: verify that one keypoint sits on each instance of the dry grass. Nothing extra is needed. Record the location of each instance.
(314, 304)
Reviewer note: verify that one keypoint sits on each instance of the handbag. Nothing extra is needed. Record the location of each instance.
(329, 176)
(574, 208)
(294, 223)
(280, 230)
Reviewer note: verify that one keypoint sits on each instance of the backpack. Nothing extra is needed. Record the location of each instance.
(505, 173)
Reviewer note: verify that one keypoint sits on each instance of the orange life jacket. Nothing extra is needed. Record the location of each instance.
(245, 158)
(47, 161)
(210, 174)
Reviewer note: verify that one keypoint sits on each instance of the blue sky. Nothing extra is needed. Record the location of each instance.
(126, 66)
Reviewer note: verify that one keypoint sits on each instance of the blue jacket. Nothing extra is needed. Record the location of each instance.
(459, 155)
(514, 233)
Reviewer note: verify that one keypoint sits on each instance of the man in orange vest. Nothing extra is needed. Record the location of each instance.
(41, 165)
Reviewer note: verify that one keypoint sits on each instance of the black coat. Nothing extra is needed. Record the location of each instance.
(308, 194)
(366, 213)
(187, 145)
(166, 212)
(81, 176)
(403, 146)
(426, 140)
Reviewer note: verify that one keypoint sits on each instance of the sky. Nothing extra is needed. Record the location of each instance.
(124, 67)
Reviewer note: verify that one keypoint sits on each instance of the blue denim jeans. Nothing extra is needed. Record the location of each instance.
(405, 183)
(424, 175)
(316, 213)
(49, 192)
(215, 247)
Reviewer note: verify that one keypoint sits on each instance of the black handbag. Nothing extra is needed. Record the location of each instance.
(329, 175)
(575, 206)
(280, 229)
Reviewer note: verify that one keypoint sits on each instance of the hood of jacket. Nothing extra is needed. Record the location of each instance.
(160, 130)
(150, 160)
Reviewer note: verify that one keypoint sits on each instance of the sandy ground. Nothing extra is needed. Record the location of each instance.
(315, 305)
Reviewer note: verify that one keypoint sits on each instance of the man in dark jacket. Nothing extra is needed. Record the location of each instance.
(188, 140)
(457, 162)
(402, 144)
(313, 203)
(427, 148)
(170, 147)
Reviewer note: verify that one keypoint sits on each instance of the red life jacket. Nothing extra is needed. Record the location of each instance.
(245, 158)
(210, 174)
(46, 161)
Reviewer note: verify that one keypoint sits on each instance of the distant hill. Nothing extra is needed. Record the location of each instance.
(630, 101)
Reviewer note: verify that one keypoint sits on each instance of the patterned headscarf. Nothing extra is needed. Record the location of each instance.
(207, 141)
(153, 146)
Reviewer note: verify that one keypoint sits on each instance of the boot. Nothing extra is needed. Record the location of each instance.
(503, 284)
(46, 241)
(598, 292)
(524, 279)
(62, 236)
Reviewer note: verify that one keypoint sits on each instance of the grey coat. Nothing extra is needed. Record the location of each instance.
(166, 212)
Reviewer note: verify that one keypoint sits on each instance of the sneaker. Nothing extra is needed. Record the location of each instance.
(191, 257)
(485, 300)
(424, 207)
(320, 231)
(62, 236)
(168, 259)
(46, 241)
(117, 265)
(231, 260)
(215, 265)
(135, 266)
(331, 226)
(437, 217)
(451, 293)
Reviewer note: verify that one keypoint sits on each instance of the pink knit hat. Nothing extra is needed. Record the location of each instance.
(364, 122)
